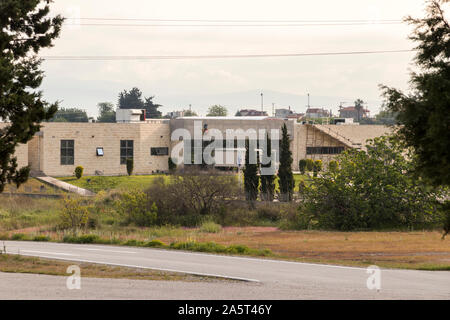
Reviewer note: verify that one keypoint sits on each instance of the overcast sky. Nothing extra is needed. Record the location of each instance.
(85, 83)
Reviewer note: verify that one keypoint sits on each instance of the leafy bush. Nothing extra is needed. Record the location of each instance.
(446, 218)
(373, 189)
(135, 208)
(130, 166)
(79, 172)
(302, 166)
(210, 227)
(155, 243)
(74, 214)
(18, 236)
(269, 212)
(172, 165)
(309, 165)
(87, 238)
(213, 247)
(333, 166)
(317, 167)
(189, 197)
(41, 238)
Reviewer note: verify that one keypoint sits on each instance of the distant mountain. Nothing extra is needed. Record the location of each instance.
(252, 100)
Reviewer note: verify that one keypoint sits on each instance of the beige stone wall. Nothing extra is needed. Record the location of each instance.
(88, 136)
(22, 155)
(21, 152)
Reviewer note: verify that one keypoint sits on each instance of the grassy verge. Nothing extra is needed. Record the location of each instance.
(22, 264)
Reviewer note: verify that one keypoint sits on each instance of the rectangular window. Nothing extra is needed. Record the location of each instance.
(162, 151)
(67, 152)
(126, 150)
(324, 150)
(100, 152)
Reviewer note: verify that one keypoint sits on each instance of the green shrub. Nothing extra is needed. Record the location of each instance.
(302, 166)
(309, 165)
(317, 167)
(210, 227)
(74, 214)
(41, 238)
(87, 238)
(134, 243)
(155, 243)
(18, 236)
(271, 213)
(135, 208)
(333, 165)
(446, 218)
(79, 172)
(130, 166)
(172, 165)
(213, 247)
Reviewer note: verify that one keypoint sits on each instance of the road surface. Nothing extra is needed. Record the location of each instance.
(262, 278)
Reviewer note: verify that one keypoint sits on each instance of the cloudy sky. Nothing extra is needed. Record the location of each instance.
(85, 83)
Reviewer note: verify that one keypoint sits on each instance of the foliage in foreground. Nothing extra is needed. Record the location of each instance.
(25, 28)
(423, 114)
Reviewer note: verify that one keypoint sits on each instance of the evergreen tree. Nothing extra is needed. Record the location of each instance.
(70, 115)
(286, 178)
(267, 180)
(106, 112)
(131, 99)
(151, 109)
(423, 115)
(24, 30)
(251, 177)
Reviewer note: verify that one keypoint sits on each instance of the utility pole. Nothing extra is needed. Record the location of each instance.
(273, 109)
(308, 102)
(262, 102)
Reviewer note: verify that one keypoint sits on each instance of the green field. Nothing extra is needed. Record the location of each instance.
(105, 183)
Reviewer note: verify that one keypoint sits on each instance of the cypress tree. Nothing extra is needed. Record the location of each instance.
(251, 177)
(267, 180)
(24, 30)
(286, 178)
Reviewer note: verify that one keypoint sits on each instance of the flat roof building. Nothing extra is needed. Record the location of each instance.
(103, 148)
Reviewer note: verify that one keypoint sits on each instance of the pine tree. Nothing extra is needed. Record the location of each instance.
(423, 114)
(286, 178)
(24, 30)
(267, 180)
(251, 177)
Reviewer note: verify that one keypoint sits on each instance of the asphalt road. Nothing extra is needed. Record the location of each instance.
(263, 278)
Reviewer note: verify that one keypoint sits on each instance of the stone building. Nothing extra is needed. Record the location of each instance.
(102, 148)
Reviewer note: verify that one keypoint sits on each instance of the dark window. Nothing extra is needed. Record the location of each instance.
(126, 150)
(67, 152)
(324, 150)
(163, 151)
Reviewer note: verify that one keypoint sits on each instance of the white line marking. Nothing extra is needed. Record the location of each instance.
(115, 251)
(143, 267)
(45, 252)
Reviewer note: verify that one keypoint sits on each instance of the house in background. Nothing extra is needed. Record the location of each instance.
(251, 113)
(314, 113)
(287, 114)
(352, 112)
